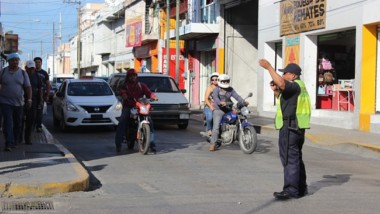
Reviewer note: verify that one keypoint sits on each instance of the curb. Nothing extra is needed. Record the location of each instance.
(80, 183)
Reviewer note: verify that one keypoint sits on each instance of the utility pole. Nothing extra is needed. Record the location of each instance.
(79, 32)
(177, 42)
(53, 67)
(167, 36)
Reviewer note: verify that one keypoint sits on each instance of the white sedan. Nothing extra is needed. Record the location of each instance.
(85, 102)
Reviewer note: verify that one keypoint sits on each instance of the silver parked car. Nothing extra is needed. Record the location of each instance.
(172, 106)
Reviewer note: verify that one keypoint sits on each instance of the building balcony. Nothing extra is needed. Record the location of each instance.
(203, 22)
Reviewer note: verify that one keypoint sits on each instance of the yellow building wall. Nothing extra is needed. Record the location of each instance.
(220, 60)
(368, 77)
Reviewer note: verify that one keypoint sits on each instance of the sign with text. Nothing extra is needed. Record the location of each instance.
(172, 65)
(302, 15)
(133, 32)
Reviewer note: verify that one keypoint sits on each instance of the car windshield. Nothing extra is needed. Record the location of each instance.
(160, 84)
(89, 89)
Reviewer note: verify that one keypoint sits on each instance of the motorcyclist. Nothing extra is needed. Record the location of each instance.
(209, 107)
(130, 91)
(222, 97)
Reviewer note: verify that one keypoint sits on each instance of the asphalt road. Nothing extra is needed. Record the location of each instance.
(184, 177)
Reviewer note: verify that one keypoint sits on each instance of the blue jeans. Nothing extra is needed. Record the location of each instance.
(123, 125)
(12, 123)
(217, 118)
(208, 114)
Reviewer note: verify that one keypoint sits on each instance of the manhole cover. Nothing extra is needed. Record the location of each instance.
(28, 205)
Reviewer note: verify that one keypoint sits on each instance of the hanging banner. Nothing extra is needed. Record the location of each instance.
(292, 49)
(172, 66)
(133, 32)
(302, 15)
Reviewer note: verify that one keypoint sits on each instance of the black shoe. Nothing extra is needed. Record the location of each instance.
(304, 193)
(7, 149)
(130, 145)
(152, 150)
(118, 149)
(283, 195)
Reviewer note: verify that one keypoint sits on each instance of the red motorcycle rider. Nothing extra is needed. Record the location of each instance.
(130, 91)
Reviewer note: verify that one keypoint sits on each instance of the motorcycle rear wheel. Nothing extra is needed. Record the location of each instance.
(248, 140)
(144, 139)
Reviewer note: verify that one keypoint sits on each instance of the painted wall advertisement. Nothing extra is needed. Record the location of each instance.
(133, 32)
(172, 67)
(302, 15)
(292, 49)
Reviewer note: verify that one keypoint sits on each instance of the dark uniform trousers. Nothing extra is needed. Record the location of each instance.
(294, 168)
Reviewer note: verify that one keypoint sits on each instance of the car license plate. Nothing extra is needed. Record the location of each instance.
(96, 116)
(184, 116)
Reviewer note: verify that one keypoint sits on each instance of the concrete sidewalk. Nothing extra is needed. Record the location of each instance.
(41, 169)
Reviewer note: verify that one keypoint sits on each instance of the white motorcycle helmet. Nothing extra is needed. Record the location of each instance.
(224, 81)
(214, 74)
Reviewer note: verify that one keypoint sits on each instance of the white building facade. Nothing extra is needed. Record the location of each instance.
(348, 38)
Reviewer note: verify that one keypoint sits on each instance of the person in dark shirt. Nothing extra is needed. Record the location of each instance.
(130, 91)
(292, 118)
(37, 100)
(45, 90)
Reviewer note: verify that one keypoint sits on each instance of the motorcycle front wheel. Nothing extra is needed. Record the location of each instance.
(248, 140)
(144, 139)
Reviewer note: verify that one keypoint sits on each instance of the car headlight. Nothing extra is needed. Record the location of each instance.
(118, 106)
(244, 111)
(71, 107)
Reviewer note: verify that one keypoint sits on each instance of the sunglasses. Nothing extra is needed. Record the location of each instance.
(225, 81)
(214, 79)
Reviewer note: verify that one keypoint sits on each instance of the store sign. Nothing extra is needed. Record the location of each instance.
(133, 32)
(292, 49)
(302, 15)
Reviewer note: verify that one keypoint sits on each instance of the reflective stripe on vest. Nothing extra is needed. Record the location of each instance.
(303, 110)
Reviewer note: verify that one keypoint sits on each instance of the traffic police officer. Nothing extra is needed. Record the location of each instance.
(292, 118)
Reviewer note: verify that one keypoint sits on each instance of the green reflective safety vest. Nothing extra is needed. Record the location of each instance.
(303, 110)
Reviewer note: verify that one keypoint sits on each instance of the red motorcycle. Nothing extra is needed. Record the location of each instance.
(138, 127)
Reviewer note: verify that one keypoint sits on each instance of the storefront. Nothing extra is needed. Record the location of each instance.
(336, 71)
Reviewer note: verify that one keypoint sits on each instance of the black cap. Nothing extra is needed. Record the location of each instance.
(292, 68)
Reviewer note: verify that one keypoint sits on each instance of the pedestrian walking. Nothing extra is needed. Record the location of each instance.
(46, 90)
(292, 118)
(14, 81)
(37, 100)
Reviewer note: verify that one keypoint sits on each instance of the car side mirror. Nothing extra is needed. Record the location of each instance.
(183, 91)
(59, 94)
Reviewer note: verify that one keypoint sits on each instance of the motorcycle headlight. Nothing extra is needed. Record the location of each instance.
(244, 111)
(118, 106)
(144, 110)
(71, 107)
